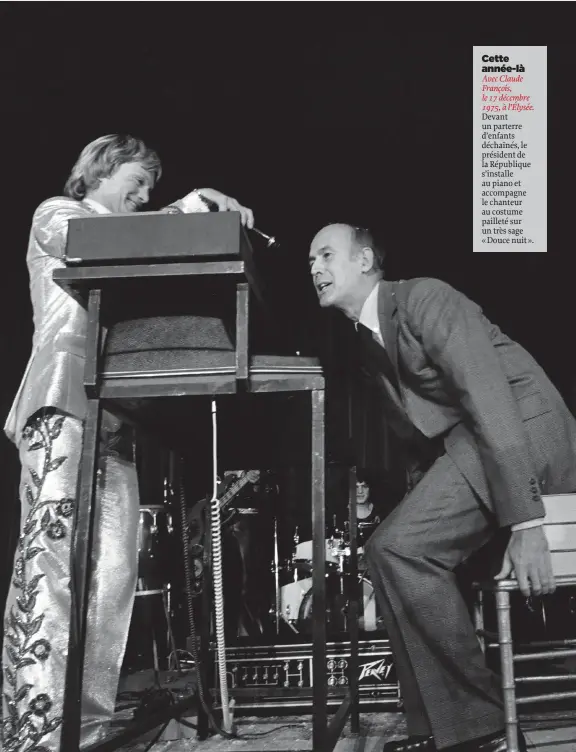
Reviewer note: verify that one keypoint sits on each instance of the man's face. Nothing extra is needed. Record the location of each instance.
(127, 189)
(362, 493)
(337, 271)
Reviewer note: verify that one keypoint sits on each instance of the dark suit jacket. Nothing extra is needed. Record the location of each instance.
(503, 422)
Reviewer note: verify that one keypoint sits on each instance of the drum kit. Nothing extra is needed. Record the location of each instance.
(160, 580)
(293, 578)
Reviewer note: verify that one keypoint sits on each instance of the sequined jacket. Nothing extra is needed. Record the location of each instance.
(54, 375)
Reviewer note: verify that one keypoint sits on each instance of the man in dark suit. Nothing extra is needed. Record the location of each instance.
(486, 434)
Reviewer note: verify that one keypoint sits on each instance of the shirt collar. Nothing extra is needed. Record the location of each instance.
(98, 207)
(369, 312)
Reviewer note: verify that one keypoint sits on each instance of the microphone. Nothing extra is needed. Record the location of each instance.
(270, 241)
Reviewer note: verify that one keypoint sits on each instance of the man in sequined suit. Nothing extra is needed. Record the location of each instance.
(113, 174)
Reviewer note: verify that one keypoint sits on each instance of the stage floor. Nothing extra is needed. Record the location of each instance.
(293, 734)
(555, 732)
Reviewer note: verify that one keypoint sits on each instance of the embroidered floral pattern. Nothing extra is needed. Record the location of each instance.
(65, 507)
(26, 718)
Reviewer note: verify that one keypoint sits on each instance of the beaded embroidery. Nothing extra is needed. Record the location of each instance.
(29, 720)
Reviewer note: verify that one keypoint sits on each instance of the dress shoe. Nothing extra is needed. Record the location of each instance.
(412, 744)
(494, 743)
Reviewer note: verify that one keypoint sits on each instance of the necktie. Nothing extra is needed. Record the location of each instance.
(422, 451)
(377, 354)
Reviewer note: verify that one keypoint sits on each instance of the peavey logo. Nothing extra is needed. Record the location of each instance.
(378, 669)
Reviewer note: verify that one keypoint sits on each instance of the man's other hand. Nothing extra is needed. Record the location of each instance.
(528, 555)
(226, 203)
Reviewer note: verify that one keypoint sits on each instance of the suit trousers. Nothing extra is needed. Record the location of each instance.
(448, 691)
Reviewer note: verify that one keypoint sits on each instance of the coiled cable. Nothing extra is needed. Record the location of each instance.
(216, 533)
(190, 610)
(218, 597)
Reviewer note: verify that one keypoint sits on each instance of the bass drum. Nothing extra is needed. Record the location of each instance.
(337, 607)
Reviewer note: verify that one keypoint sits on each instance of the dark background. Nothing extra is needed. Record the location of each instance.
(364, 121)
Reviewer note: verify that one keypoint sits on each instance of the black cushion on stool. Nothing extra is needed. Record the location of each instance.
(185, 343)
(167, 343)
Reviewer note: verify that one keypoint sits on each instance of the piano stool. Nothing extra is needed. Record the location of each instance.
(560, 529)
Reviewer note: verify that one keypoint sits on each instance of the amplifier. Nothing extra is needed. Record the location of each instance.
(280, 676)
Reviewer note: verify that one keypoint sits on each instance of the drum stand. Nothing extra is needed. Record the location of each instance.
(275, 571)
(155, 571)
(156, 630)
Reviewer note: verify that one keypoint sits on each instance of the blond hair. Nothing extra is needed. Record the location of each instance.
(102, 157)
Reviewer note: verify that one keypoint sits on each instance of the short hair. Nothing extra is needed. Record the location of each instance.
(363, 238)
(102, 157)
(363, 475)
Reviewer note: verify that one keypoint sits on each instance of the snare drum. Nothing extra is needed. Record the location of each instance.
(333, 547)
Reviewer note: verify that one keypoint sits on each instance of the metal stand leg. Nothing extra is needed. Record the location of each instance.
(355, 596)
(80, 579)
(320, 694)
(507, 668)
(242, 317)
(479, 619)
